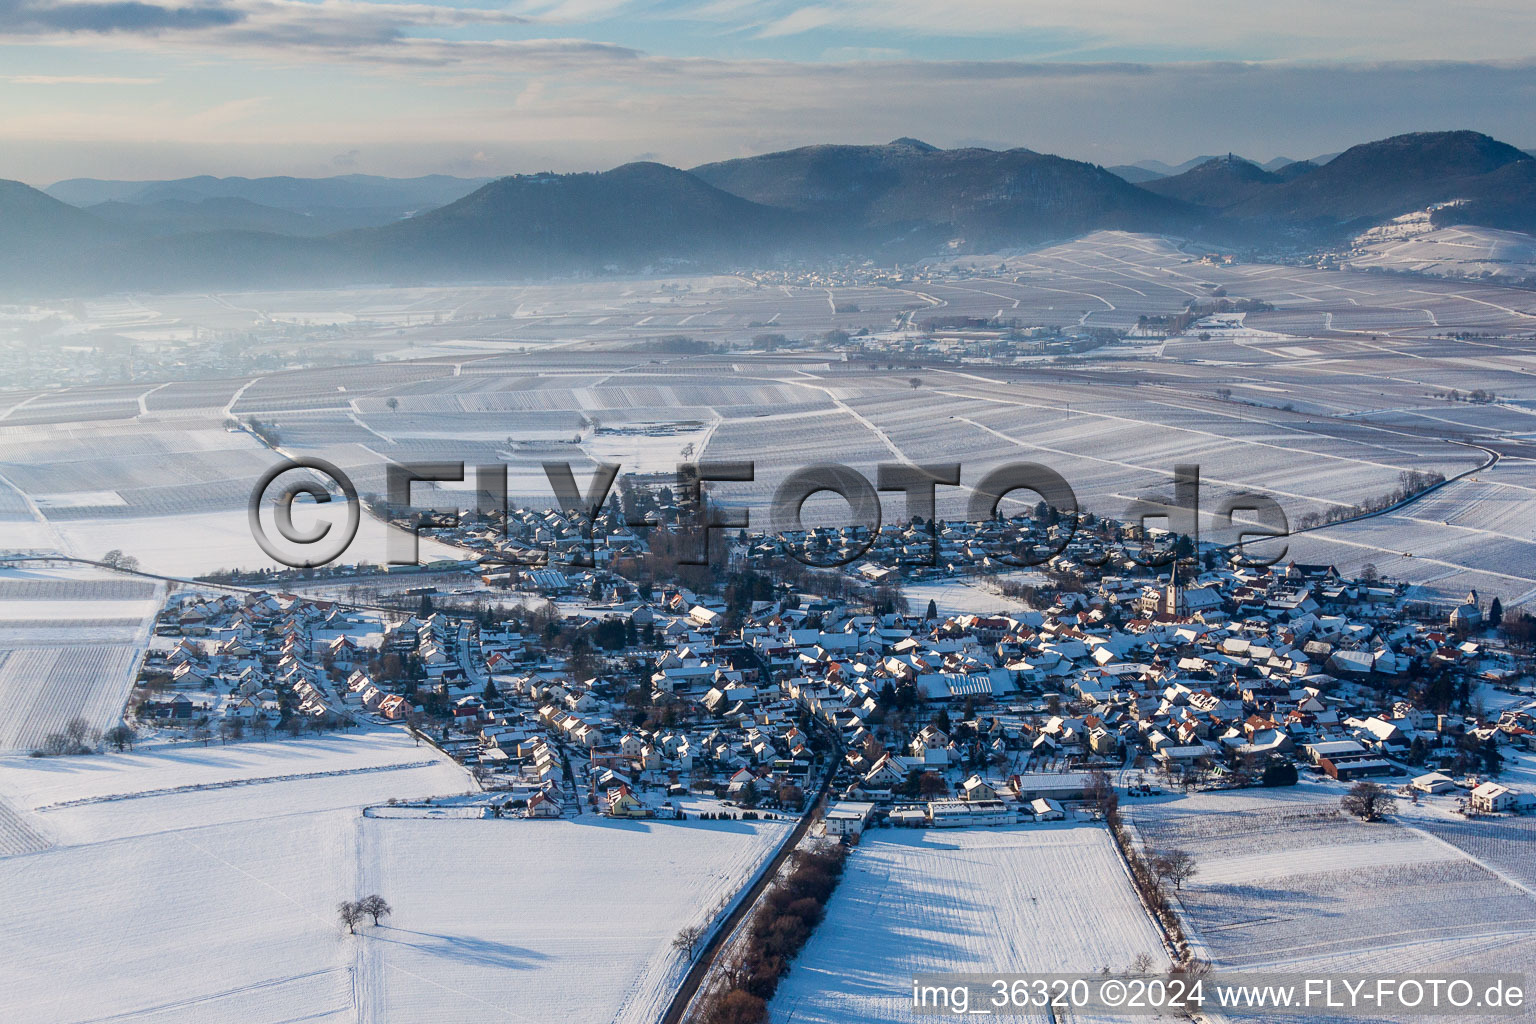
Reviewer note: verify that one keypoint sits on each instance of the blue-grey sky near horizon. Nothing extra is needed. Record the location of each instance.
(166, 88)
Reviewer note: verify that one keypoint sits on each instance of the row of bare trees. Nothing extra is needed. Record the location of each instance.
(80, 737)
(790, 910)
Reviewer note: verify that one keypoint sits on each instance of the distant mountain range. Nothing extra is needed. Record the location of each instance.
(1151, 170)
(282, 205)
(1364, 185)
(898, 201)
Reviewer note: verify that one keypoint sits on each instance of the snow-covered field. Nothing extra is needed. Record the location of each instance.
(201, 905)
(198, 543)
(199, 884)
(542, 920)
(1286, 881)
(966, 594)
(69, 645)
(1029, 898)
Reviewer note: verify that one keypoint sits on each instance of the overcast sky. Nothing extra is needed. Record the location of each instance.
(144, 89)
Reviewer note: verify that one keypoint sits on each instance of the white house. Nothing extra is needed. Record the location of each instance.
(848, 817)
(1491, 798)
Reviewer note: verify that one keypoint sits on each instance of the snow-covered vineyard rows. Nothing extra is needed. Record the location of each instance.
(1508, 845)
(1284, 883)
(45, 688)
(1033, 898)
(69, 643)
(1322, 402)
(18, 833)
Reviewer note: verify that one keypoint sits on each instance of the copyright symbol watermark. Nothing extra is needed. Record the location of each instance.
(319, 543)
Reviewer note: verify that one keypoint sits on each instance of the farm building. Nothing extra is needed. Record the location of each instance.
(1056, 785)
(967, 813)
(1332, 748)
(1347, 767)
(1434, 782)
(1047, 809)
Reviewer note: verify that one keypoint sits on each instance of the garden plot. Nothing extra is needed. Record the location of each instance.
(1285, 881)
(1033, 898)
(569, 920)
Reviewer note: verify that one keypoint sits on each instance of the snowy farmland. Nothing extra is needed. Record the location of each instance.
(205, 904)
(70, 641)
(1031, 898)
(567, 920)
(210, 876)
(1285, 881)
(1320, 403)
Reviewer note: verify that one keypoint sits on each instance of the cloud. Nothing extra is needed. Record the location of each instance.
(29, 17)
(78, 80)
(347, 159)
(251, 24)
(863, 53)
(1187, 29)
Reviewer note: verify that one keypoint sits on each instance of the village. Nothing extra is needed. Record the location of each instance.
(1128, 656)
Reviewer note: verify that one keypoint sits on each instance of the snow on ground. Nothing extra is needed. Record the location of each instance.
(203, 905)
(19, 833)
(1029, 898)
(34, 783)
(197, 543)
(1286, 879)
(639, 452)
(543, 920)
(967, 595)
(210, 875)
(219, 923)
(1504, 844)
(70, 640)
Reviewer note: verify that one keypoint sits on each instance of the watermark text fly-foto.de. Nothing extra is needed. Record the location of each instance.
(1240, 518)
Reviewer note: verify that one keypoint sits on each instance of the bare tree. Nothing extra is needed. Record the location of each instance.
(916, 382)
(1191, 966)
(375, 906)
(1142, 964)
(1176, 866)
(351, 912)
(1367, 801)
(121, 737)
(688, 939)
(1100, 791)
